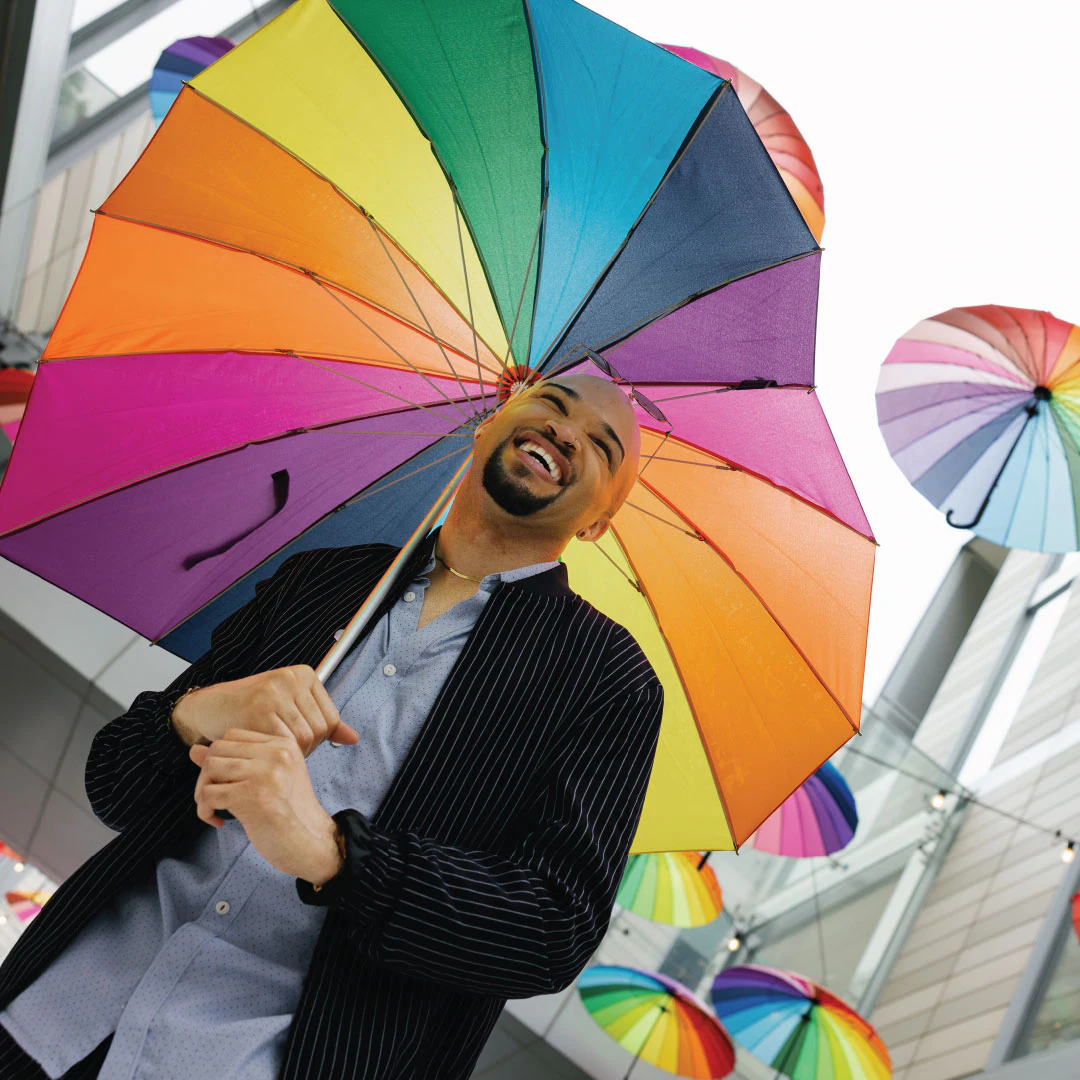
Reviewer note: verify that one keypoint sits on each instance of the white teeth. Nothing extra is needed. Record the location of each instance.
(552, 467)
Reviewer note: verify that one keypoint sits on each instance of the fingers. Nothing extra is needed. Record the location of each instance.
(211, 797)
(337, 729)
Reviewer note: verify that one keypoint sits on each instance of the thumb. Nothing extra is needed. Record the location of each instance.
(344, 734)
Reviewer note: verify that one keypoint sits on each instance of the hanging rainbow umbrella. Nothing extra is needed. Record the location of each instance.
(674, 887)
(658, 1020)
(1076, 914)
(778, 132)
(297, 305)
(818, 819)
(797, 1027)
(980, 408)
(26, 905)
(9, 853)
(179, 64)
(15, 385)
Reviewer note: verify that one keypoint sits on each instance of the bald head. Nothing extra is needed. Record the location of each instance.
(615, 412)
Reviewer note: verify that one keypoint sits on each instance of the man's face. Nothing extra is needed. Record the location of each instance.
(561, 454)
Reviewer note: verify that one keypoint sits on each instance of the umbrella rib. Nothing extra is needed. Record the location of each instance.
(337, 299)
(295, 267)
(521, 298)
(760, 599)
(408, 289)
(468, 298)
(635, 584)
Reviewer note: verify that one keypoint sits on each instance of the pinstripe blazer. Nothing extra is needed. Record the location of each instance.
(498, 849)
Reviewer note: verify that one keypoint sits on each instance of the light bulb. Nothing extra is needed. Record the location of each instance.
(734, 944)
(937, 800)
(19, 867)
(3, 919)
(1070, 852)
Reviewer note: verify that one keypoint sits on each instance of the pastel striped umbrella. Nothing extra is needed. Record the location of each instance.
(674, 887)
(818, 819)
(980, 408)
(296, 307)
(797, 1026)
(180, 63)
(658, 1020)
(26, 905)
(777, 131)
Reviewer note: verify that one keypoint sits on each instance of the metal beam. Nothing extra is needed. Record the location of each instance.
(107, 28)
(94, 130)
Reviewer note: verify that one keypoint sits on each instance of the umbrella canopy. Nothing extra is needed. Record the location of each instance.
(1076, 914)
(672, 887)
(778, 132)
(178, 64)
(26, 905)
(818, 819)
(658, 1020)
(298, 304)
(15, 385)
(980, 408)
(797, 1027)
(9, 853)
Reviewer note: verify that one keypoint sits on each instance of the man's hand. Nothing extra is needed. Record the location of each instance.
(263, 781)
(286, 701)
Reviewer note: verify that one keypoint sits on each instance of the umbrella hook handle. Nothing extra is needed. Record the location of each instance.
(1031, 410)
(281, 497)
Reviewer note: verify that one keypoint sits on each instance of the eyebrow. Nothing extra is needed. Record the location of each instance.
(608, 429)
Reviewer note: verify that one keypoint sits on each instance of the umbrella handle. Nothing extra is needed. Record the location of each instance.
(1031, 410)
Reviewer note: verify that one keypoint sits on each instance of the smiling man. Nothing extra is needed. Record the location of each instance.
(440, 828)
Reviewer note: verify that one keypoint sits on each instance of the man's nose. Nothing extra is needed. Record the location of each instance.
(563, 436)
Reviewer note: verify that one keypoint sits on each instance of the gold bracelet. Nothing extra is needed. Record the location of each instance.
(168, 719)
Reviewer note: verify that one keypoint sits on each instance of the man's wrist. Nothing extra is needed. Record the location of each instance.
(331, 856)
(178, 721)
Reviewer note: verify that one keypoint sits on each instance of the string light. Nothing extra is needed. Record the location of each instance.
(19, 867)
(937, 800)
(734, 943)
(1069, 853)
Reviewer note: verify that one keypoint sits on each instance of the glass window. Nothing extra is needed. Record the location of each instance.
(1057, 1018)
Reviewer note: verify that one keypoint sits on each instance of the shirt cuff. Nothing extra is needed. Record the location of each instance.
(348, 883)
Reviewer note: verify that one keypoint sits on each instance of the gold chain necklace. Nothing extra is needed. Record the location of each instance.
(457, 573)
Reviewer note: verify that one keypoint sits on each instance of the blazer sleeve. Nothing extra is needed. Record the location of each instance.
(525, 922)
(137, 759)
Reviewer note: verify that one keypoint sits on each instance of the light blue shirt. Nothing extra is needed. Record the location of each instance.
(199, 971)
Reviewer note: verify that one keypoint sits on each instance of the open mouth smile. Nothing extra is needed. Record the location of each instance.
(542, 458)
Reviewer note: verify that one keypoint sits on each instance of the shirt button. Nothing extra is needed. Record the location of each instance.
(222, 907)
(389, 670)
(409, 597)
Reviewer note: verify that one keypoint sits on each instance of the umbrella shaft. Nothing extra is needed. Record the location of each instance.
(356, 625)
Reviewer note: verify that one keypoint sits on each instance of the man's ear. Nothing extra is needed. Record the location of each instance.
(483, 424)
(591, 533)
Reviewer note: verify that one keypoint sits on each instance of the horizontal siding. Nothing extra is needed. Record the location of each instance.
(948, 992)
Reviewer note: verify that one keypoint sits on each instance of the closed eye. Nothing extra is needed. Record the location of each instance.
(558, 402)
(603, 446)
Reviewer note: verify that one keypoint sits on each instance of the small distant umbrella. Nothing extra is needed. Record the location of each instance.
(9, 853)
(26, 905)
(818, 819)
(1076, 914)
(672, 887)
(658, 1020)
(777, 131)
(15, 384)
(181, 61)
(797, 1026)
(980, 408)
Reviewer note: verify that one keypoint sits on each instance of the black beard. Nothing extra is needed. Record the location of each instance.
(514, 498)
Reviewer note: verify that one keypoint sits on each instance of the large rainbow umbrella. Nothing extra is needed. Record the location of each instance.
(179, 64)
(980, 408)
(818, 819)
(783, 140)
(797, 1027)
(674, 887)
(658, 1020)
(296, 306)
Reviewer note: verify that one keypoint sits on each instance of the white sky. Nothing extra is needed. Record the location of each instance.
(944, 134)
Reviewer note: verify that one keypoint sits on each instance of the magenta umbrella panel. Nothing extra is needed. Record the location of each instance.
(818, 819)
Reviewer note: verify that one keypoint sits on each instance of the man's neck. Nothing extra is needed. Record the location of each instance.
(477, 547)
